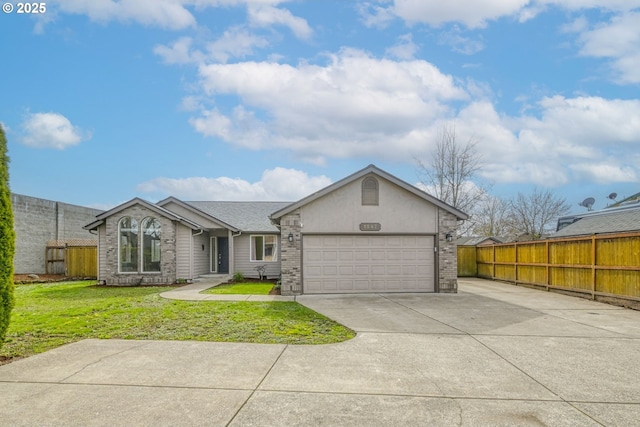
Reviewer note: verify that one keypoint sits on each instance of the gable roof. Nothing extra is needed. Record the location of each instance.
(611, 220)
(245, 216)
(138, 201)
(197, 211)
(371, 169)
(476, 240)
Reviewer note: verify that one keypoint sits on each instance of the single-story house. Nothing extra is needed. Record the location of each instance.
(369, 232)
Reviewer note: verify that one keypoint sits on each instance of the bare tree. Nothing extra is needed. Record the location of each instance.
(536, 214)
(451, 172)
(492, 218)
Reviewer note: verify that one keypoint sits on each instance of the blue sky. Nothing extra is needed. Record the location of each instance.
(105, 100)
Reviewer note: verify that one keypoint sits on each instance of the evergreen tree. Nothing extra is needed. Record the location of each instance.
(7, 241)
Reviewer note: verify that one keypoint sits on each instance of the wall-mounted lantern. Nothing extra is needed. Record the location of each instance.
(290, 237)
(449, 237)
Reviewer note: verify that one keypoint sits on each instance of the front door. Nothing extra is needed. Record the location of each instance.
(223, 255)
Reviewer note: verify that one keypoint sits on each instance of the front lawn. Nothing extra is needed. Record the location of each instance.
(244, 288)
(48, 315)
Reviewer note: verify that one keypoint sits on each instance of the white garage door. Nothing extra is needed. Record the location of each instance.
(351, 264)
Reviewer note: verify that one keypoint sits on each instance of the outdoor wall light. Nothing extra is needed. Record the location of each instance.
(449, 237)
(290, 237)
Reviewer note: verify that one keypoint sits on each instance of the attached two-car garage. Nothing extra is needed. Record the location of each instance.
(368, 263)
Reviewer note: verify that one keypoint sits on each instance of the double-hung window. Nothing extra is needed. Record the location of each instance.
(264, 248)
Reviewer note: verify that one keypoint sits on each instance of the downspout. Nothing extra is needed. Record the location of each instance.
(191, 263)
(232, 250)
(436, 249)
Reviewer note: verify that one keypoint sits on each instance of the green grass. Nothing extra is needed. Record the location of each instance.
(244, 288)
(52, 314)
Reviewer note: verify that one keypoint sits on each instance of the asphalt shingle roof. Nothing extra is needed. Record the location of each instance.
(605, 222)
(246, 216)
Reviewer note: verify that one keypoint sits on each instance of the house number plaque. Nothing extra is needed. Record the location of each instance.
(370, 226)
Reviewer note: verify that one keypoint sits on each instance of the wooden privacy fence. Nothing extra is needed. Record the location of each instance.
(598, 265)
(73, 258)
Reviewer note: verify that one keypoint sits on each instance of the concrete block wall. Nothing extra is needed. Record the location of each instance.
(37, 221)
(291, 254)
(109, 274)
(447, 253)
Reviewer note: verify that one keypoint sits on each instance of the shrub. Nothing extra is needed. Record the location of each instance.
(7, 241)
(238, 276)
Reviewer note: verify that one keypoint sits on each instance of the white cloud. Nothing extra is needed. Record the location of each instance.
(471, 13)
(262, 15)
(178, 52)
(404, 49)
(51, 130)
(588, 139)
(604, 173)
(618, 40)
(169, 14)
(236, 42)
(375, 16)
(354, 106)
(460, 43)
(278, 184)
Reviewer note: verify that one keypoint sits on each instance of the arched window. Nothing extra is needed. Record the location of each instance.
(370, 191)
(128, 245)
(151, 236)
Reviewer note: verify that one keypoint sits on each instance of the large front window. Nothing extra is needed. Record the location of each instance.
(151, 234)
(128, 231)
(264, 248)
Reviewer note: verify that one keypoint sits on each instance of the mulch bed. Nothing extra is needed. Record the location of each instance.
(20, 279)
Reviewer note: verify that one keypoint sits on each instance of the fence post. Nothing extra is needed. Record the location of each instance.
(593, 267)
(547, 278)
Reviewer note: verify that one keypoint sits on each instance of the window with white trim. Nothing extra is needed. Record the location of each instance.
(370, 191)
(128, 245)
(151, 236)
(264, 248)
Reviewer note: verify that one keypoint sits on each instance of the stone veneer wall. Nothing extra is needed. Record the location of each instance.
(109, 273)
(448, 253)
(291, 254)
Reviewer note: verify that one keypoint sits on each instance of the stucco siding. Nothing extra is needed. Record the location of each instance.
(341, 211)
(242, 256)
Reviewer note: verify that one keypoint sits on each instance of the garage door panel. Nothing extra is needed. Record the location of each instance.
(329, 270)
(362, 270)
(343, 264)
(345, 285)
(345, 270)
(378, 270)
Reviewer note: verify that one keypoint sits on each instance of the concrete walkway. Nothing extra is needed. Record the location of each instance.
(192, 292)
(491, 355)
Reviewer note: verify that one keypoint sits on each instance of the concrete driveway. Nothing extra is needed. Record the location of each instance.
(494, 355)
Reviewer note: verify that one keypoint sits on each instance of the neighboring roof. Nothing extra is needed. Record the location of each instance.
(368, 170)
(245, 216)
(631, 200)
(137, 201)
(475, 240)
(612, 220)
